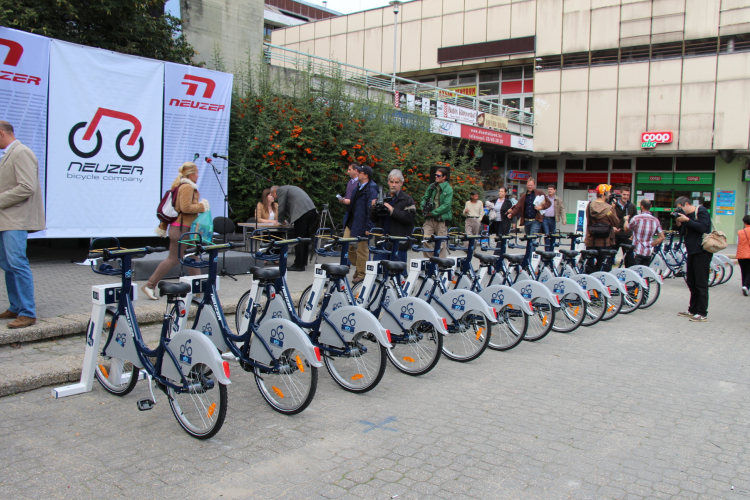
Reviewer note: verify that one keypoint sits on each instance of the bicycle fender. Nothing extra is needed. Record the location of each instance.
(459, 301)
(610, 280)
(409, 310)
(208, 324)
(626, 274)
(122, 345)
(191, 347)
(279, 335)
(530, 289)
(658, 265)
(350, 320)
(647, 272)
(563, 286)
(716, 264)
(588, 282)
(500, 295)
(723, 258)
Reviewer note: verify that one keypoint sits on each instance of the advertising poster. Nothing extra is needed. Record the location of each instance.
(197, 107)
(724, 202)
(105, 142)
(458, 113)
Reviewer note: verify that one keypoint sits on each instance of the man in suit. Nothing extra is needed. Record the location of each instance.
(358, 221)
(295, 206)
(21, 212)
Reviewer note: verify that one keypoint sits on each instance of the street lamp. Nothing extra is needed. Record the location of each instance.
(396, 4)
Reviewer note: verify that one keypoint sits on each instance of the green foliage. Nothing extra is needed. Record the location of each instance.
(301, 129)
(136, 27)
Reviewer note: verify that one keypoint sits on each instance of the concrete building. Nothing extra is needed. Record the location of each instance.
(651, 94)
(283, 13)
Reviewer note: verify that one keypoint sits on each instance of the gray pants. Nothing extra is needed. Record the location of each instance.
(432, 226)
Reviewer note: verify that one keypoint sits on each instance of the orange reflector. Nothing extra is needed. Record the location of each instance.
(636, 291)
(544, 320)
(610, 308)
(388, 335)
(510, 305)
(357, 376)
(575, 311)
(104, 371)
(317, 353)
(479, 333)
(211, 410)
(226, 368)
(109, 323)
(278, 392)
(300, 366)
(409, 359)
(596, 295)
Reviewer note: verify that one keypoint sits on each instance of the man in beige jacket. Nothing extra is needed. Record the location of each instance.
(21, 212)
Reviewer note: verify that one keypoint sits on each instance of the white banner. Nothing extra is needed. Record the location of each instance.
(197, 106)
(24, 81)
(443, 127)
(458, 113)
(105, 142)
(519, 142)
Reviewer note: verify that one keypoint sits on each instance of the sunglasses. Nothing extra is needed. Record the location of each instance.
(438, 175)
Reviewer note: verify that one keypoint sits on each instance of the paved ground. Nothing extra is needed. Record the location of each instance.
(647, 405)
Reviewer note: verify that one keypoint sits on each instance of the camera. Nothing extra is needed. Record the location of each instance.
(677, 212)
(379, 206)
(428, 208)
(614, 197)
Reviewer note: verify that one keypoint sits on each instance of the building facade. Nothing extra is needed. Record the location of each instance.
(650, 94)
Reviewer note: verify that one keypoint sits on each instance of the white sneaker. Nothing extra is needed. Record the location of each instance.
(745, 291)
(149, 292)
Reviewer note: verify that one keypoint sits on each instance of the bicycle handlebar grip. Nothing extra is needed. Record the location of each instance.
(236, 245)
(305, 240)
(156, 249)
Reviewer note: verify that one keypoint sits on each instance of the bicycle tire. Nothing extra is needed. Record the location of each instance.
(189, 411)
(303, 299)
(406, 348)
(506, 334)
(595, 309)
(242, 307)
(108, 376)
(718, 277)
(356, 376)
(614, 304)
(300, 390)
(571, 315)
(731, 272)
(651, 294)
(540, 323)
(635, 296)
(471, 339)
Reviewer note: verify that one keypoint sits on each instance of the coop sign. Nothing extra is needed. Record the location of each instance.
(651, 139)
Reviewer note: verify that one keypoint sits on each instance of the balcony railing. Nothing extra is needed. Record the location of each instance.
(519, 122)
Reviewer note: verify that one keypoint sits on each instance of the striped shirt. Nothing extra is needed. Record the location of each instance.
(644, 227)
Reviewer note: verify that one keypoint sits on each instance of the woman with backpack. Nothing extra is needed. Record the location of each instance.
(188, 205)
(600, 227)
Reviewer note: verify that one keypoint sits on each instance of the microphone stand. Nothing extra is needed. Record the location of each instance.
(227, 208)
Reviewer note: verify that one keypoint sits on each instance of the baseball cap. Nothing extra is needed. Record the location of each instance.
(366, 169)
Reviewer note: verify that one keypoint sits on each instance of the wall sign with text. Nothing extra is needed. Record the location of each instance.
(651, 139)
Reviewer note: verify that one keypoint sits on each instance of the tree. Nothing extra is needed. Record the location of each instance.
(135, 27)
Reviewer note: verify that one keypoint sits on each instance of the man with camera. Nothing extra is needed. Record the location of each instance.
(624, 207)
(436, 209)
(530, 213)
(396, 214)
(694, 222)
(643, 227)
(358, 221)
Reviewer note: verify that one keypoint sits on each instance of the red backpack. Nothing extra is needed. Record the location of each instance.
(166, 212)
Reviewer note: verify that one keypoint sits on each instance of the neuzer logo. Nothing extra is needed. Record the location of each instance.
(15, 51)
(193, 83)
(102, 112)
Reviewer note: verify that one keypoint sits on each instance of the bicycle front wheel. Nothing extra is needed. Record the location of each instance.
(633, 298)
(290, 387)
(540, 323)
(305, 298)
(650, 294)
(202, 407)
(509, 332)
(116, 375)
(468, 337)
(614, 304)
(572, 314)
(362, 369)
(418, 350)
(595, 309)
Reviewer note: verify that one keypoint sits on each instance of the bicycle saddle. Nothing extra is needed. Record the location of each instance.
(167, 288)
(569, 253)
(607, 253)
(335, 270)
(515, 258)
(394, 266)
(589, 253)
(266, 274)
(628, 248)
(442, 264)
(486, 259)
(545, 255)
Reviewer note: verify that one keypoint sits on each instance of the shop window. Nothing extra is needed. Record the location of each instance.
(547, 165)
(671, 50)
(637, 53)
(702, 47)
(654, 164)
(467, 78)
(489, 75)
(573, 164)
(622, 164)
(512, 73)
(575, 60)
(528, 71)
(599, 164)
(489, 88)
(695, 164)
(445, 81)
(528, 104)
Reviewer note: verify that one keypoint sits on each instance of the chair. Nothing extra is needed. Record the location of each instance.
(224, 231)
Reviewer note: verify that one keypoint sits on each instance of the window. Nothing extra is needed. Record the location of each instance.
(547, 164)
(428, 81)
(490, 75)
(489, 88)
(512, 73)
(445, 81)
(548, 63)
(637, 53)
(621, 164)
(695, 163)
(734, 43)
(654, 164)
(576, 60)
(599, 164)
(528, 72)
(670, 50)
(573, 164)
(267, 29)
(703, 47)
(528, 104)
(604, 57)
(467, 78)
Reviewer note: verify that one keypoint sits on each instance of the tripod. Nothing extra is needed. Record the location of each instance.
(227, 209)
(323, 219)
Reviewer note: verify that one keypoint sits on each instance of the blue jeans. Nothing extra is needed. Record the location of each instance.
(18, 279)
(532, 227)
(548, 226)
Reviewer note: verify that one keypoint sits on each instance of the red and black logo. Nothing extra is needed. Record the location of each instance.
(15, 51)
(102, 112)
(193, 83)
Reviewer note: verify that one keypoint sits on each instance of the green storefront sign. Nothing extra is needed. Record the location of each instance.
(697, 178)
(654, 178)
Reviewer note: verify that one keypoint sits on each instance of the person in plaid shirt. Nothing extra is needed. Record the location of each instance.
(644, 226)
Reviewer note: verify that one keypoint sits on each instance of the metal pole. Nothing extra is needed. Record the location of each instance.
(395, 4)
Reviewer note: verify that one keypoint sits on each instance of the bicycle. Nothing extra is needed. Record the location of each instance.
(185, 365)
(654, 281)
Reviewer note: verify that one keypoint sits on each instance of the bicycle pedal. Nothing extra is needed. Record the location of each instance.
(145, 404)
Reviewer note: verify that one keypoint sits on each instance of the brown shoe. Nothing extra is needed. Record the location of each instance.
(8, 315)
(22, 322)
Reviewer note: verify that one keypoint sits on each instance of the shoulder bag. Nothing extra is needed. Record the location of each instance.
(714, 241)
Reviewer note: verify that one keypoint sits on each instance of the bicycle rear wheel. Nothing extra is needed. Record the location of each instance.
(614, 304)
(468, 337)
(305, 297)
(633, 299)
(572, 314)
(511, 329)
(540, 323)
(362, 369)
(595, 309)
(242, 308)
(650, 294)
(418, 351)
(201, 409)
(117, 376)
(290, 387)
